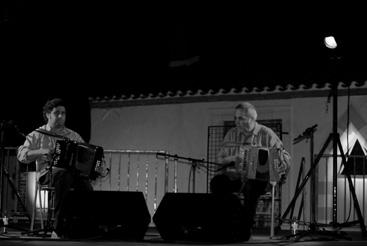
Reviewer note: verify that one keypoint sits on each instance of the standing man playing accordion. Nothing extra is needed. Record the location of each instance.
(237, 175)
(39, 146)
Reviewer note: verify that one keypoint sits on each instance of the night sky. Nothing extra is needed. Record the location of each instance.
(77, 49)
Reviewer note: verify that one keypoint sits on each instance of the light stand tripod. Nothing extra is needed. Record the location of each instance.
(334, 137)
(307, 134)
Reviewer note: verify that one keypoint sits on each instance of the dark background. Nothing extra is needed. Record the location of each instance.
(81, 49)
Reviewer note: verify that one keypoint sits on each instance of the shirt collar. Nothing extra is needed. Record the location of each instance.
(256, 129)
(47, 128)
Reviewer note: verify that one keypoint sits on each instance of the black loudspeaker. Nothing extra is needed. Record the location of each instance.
(201, 217)
(106, 214)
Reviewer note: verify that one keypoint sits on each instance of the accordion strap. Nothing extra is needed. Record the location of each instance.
(48, 133)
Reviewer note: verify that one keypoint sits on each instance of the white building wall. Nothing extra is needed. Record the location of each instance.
(181, 129)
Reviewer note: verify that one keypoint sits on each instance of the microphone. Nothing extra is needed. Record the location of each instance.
(6, 123)
(160, 154)
(231, 164)
(166, 155)
(17, 129)
(310, 129)
(306, 134)
(10, 124)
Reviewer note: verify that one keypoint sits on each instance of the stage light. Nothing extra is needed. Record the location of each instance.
(330, 42)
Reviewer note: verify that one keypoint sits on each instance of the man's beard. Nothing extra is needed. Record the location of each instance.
(59, 124)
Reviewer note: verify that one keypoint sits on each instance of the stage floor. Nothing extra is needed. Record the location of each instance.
(152, 237)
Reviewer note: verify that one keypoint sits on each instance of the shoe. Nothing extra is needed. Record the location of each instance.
(54, 235)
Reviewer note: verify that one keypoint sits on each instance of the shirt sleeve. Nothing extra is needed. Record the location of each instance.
(275, 141)
(75, 136)
(221, 154)
(285, 158)
(29, 144)
(224, 150)
(78, 138)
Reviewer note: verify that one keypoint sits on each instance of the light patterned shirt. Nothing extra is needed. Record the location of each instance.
(36, 140)
(260, 136)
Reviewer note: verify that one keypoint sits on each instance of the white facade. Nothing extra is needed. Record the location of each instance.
(179, 125)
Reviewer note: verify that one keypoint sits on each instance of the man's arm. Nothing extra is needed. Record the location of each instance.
(285, 158)
(31, 151)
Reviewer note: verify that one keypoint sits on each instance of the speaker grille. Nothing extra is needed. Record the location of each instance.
(112, 214)
(201, 217)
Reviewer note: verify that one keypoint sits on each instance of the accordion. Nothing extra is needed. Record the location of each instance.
(81, 158)
(260, 163)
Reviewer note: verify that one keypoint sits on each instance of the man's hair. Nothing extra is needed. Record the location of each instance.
(50, 104)
(248, 109)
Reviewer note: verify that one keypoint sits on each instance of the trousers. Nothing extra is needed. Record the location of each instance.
(63, 181)
(252, 189)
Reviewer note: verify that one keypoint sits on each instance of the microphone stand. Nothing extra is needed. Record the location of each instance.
(307, 134)
(4, 173)
(231, 164)
(195, 163)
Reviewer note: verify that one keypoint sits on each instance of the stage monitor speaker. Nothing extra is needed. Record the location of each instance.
(201, 217)
(106, 214)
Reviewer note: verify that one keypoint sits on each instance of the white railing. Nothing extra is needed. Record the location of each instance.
(139, 170)
(151, 172)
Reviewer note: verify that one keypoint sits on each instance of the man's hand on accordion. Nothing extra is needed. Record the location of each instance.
(283, 179)
(101, 169)
(42, 154)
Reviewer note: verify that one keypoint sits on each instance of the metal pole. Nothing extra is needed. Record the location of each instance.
(272, 209)
(1, 168)
(335, 149)
(313, 182)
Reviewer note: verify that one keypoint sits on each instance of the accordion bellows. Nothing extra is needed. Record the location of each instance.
(79, 157)
(260, 163)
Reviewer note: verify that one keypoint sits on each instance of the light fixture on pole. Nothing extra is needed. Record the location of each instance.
(330, 42)
(333, 138)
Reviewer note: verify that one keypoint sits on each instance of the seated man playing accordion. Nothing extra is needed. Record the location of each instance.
(252, 155)
(39, 146)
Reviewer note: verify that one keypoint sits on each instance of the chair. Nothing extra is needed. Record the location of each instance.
(46, 215)
(273, 184)
(272, 196)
